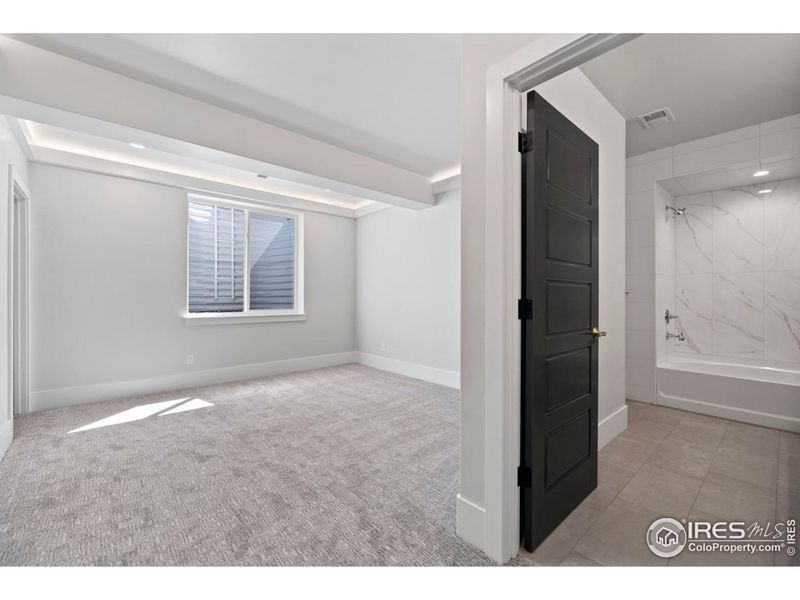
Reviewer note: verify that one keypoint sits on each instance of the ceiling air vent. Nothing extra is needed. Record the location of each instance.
(656, 118)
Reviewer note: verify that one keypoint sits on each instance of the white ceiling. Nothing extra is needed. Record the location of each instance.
(712, 82)
(393, 97)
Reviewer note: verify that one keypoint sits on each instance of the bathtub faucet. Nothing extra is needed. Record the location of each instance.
(678, 336)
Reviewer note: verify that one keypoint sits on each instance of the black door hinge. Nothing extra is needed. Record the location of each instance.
(524, 476)
(524, 309)
(525, 141)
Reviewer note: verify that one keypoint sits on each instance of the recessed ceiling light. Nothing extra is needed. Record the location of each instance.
(760, 173)
(136, 145)
(766, 191)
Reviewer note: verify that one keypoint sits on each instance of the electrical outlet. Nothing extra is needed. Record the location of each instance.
(190, 359)
(383, 347)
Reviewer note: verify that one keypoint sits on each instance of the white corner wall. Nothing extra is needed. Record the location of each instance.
(771, 141)
(408, 294)
(108, 259)
(108, 285)
(664, 278)
(10, 155)
(480, 51)
(640, 325)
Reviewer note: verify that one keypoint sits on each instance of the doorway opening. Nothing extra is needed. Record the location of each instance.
(507, 82)
(19, 221)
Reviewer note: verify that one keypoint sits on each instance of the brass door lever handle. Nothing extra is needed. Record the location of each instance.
(598, 333)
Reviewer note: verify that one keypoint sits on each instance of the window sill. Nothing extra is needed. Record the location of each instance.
(235, 319)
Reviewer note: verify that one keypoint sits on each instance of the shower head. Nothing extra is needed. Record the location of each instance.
(676, 212)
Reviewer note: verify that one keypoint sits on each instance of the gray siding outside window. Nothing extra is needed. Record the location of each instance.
(216, 260)
(271, 262)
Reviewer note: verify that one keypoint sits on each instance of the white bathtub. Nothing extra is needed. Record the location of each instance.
(753, 394)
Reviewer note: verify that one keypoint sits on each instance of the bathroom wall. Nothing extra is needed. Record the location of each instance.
(664, 269)
(737, 274)
(642, 173)
(748, 146)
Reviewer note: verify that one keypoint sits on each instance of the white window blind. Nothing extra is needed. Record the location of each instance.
(222, 239)
(216, 258)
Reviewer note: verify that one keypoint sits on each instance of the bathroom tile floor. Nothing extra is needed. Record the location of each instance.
(670, 463)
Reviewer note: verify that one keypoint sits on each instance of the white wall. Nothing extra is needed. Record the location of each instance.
(640, 274)
(108, 291)
(664, 270)
(10, 154)
(480, 51)
(755, 146)
(408, 290)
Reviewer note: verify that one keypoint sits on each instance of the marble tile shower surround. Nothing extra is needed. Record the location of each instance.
(651, 264)
(737, 274)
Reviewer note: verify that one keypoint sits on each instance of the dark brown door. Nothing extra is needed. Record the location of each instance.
(559, 348)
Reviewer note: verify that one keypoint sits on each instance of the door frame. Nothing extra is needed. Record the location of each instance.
(506, 85)
(17, 187)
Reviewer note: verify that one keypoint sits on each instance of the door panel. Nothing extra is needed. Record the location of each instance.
(559, 352)
(569, 306)
(567, 166)
(565, 448)
(562, 229)
(568, 376)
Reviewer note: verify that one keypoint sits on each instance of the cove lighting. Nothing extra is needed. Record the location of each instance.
(760, 173)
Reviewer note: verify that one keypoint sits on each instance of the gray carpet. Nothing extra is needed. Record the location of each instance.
(340, 466)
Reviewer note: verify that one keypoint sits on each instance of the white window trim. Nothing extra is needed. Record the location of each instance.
(247, 315)
(254, 316)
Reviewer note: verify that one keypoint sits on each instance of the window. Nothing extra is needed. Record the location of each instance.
(243, 261)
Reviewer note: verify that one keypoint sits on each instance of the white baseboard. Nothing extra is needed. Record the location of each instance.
(612, 426)
(470, 522)
(641, 394)
(440, 376)
(731, 412)
(6, 435)
(85, 394)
